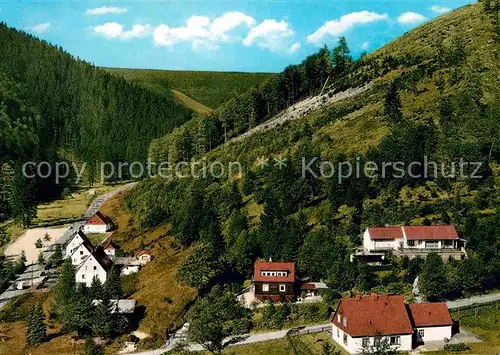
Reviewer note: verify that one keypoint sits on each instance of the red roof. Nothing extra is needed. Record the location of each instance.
(385, 233)
(143, 252)
(274, 266)
(372, 315)
(99, 219)
(430, 314)
(430, 232)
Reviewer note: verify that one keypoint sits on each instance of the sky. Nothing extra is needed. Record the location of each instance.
(251, 36)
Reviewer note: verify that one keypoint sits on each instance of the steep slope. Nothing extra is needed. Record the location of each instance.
(208, 88)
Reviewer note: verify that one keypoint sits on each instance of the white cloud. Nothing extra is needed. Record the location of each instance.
(113, 30)
(229, 21)
(365, 46)
(346, 22)
(440, 9)
(201, 32)
(40, 28)
(270, 34)
(104, 10)
(411, 18)
(294, 48)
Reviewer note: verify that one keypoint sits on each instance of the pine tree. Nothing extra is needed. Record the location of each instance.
(393, 103)
(23, 199)
(113, 285)
(102, 319)
(57, 257)
(96, 289)
(41, 260)
(35, 326)
(64, 293)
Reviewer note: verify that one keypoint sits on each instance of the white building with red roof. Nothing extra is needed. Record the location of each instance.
(98, 223)
(360, 321)
(411, 241)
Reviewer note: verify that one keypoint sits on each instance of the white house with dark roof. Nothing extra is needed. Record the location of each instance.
(97, 264)
(79, 247)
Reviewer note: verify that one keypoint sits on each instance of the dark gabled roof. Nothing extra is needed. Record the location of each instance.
(429, 314)
(373, 315)
(86, 242)
(102, 258)
(274, 266)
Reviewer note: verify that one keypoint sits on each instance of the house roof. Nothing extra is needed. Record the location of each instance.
(372, 315)
(86, 243)
(143, 252)
(314, 286)
(385, 233)
(101, 257)
(442, 232)
(429, 314)
(260, 266)
(109, 245)
(98, 219)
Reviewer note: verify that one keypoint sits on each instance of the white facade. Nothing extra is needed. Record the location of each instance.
(355, 345)
(80, 254)
(425, 334)
(110, 251)
(88, 269)
(130, 269)
(379, 244)
(96, 228)
(73, 244)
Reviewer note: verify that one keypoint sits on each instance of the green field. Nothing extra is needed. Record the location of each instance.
(208, 88)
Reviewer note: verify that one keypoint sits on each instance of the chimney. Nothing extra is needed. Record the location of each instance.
(375, 296)
(358, 296)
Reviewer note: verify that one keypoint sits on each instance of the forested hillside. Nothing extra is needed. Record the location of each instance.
(434, 93)
(56, 107)
(209, 88)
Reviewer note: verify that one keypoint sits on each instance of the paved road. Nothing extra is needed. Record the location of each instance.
(245, 339)
(466, 302)
(99, 201)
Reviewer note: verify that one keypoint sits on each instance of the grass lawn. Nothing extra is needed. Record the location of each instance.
(298, 344)
(97, 238)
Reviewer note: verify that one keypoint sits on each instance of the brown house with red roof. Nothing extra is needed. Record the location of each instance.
(360, 321)
(411, 241)
(274, 281)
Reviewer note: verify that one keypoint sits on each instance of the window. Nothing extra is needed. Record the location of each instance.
(395, 341)
(365, 342)
(282, 288)
(344, 321)
(411, 243)
(338, 333)
(83, 276)
(421, 333)
(338, 318)
(432, 245)
(95, 267)
(265, 287)
(345, 338)
(86, 268)
(81, 252)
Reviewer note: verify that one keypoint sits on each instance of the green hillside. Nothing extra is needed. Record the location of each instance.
(432, 93)
(208, 88)
(54, 107)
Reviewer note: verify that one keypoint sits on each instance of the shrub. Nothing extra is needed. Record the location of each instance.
(456, 347)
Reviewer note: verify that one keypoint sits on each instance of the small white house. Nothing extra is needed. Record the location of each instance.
(95, 265)
(362, 320)
(79, 248)
(110, 249)
(144, 257)
(98, 223)
(130, 269)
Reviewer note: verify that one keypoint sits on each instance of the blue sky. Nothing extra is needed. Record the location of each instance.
(262, 36)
